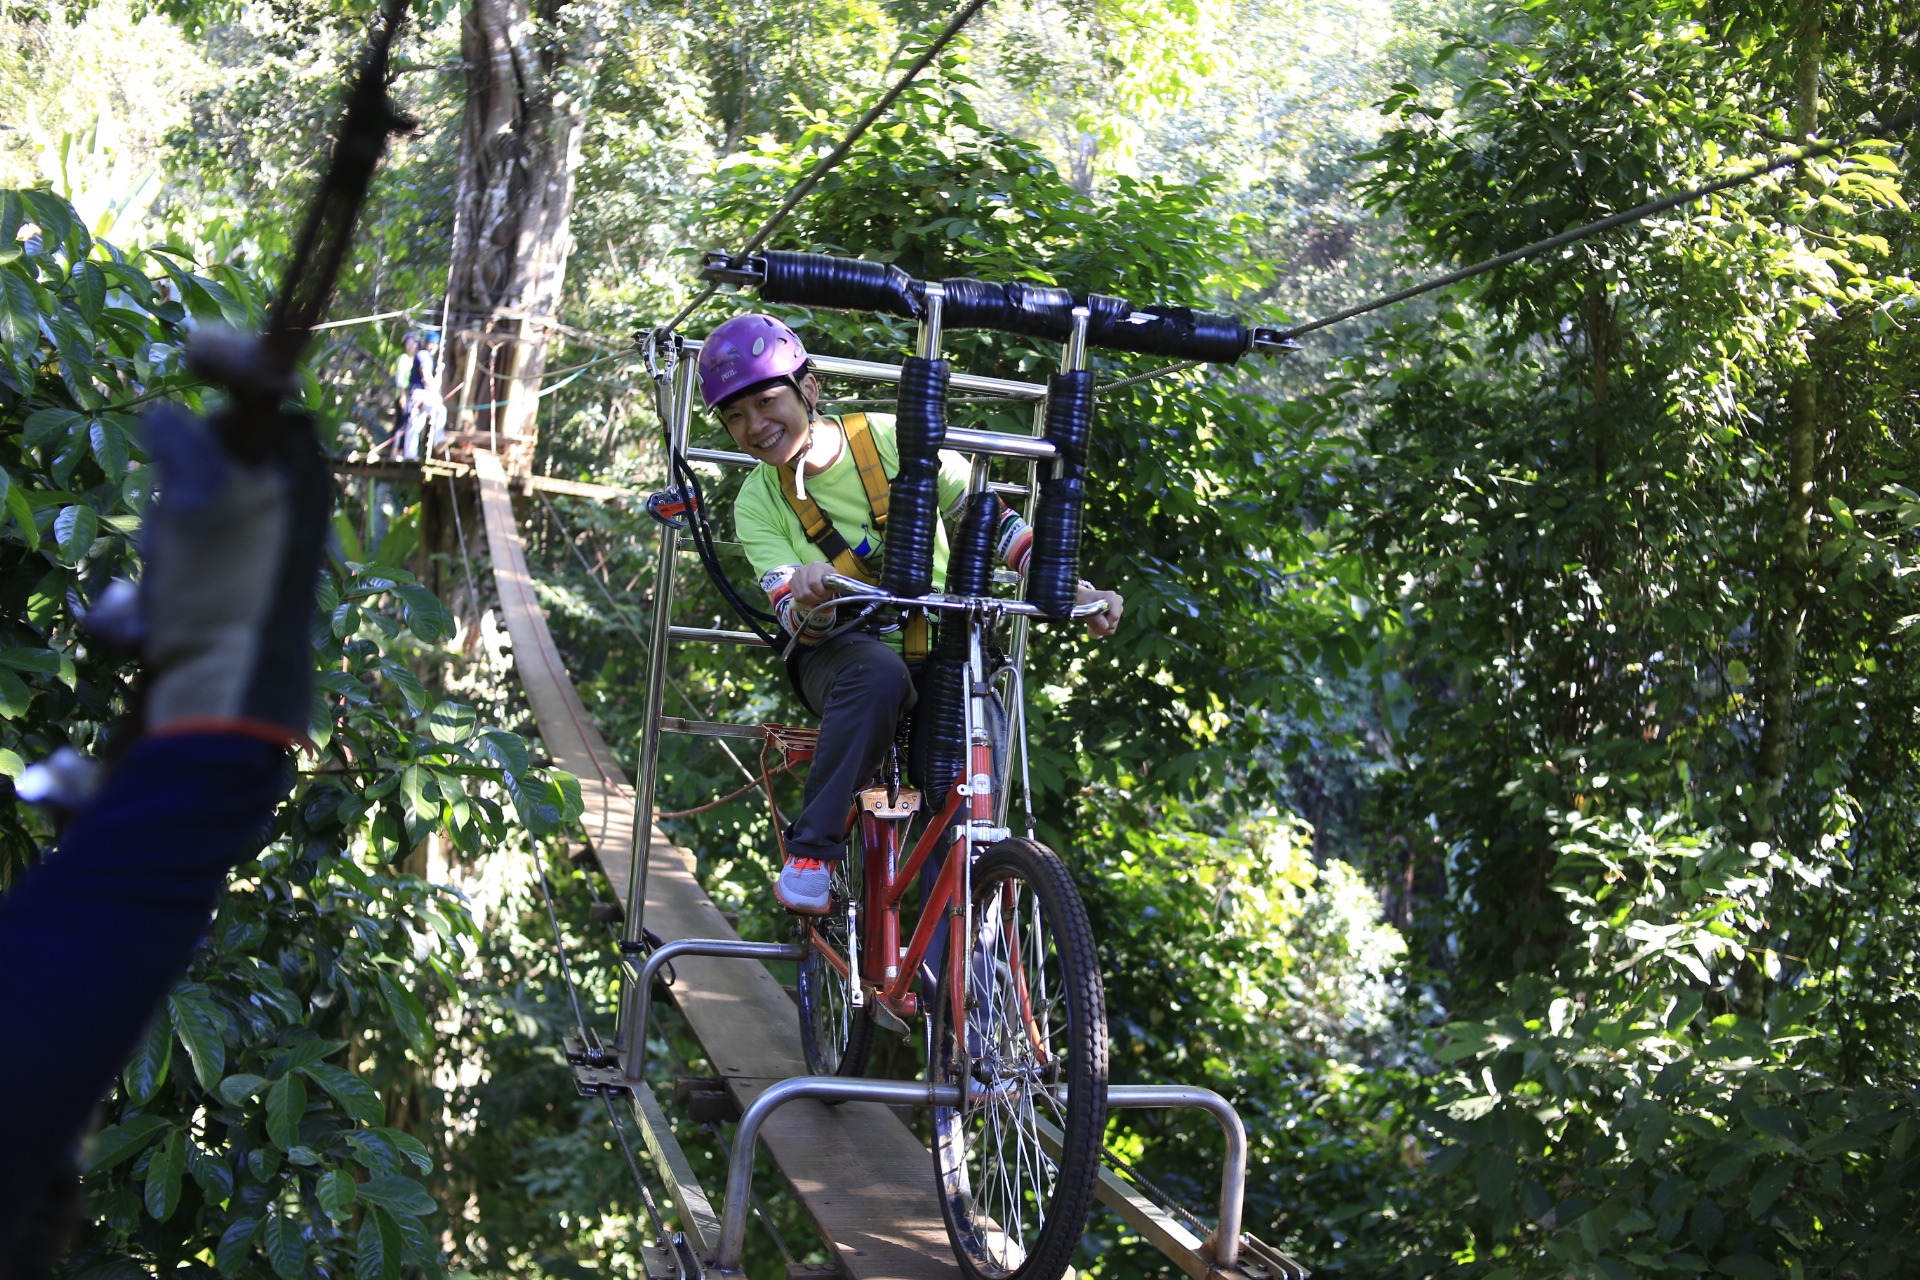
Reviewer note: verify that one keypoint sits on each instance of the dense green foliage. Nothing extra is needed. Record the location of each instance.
(250, 1129)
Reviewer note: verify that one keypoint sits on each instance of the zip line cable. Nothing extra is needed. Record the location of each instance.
(1799, 155)
(806, 185)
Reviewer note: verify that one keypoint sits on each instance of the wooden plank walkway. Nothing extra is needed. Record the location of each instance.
(861, 1175)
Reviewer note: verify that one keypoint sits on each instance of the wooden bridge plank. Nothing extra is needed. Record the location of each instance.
(863, 1178)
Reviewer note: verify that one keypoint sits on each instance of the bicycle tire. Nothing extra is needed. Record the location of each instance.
(837, 1038)
(1024, 905)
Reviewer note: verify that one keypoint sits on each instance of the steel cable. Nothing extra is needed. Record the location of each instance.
(1799, 155)
(806, 185)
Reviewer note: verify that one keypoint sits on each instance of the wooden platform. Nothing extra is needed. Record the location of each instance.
(861, 1175)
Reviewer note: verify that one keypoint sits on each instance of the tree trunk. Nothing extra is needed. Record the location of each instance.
(1780, 636)
(530, 72)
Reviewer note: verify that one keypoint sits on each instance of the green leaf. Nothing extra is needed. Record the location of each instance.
(419, 1246)
(1748, 1266)
(236, 1243)
(385, 1152)
(401, 1195)
(285, 1249)
(50, 426)
(14, 695)
(109, 449)
(163, 1176)
(74, 530)
(21, 509)
(1768, 1189)
(508, 750)
(202, 1027)
(236, 1089)
(415, 693)
(42, 662)
(123, 1141)
(19, 324)
(408, 1013)
(211, 1172)
(57, 220)
(379, 1248)
(336, 1193)
(148, 1069)
(286, 1105)
(427, 617)
(452, 722)
(355, 1096)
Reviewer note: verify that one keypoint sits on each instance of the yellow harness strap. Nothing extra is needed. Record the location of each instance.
(821, 533)
(866, 458)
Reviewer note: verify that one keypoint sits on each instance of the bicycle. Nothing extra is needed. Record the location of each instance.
(1018, 1016)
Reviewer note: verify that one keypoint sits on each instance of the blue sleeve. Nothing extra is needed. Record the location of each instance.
(92, 937)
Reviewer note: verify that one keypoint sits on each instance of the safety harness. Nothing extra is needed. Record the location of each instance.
(821, 533)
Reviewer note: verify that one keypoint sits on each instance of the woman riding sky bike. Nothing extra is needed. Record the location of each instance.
(816, 505)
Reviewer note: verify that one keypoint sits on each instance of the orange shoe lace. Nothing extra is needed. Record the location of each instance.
(806, 864)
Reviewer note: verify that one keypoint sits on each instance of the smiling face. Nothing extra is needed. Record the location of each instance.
(771, 423)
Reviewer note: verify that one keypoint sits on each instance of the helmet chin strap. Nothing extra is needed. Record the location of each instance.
(806, 446)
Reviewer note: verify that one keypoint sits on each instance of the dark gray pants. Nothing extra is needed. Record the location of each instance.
(862, 688)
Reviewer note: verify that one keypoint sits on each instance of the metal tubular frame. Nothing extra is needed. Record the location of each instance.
(636, 1001)
(733, 1219)
(633, 1046)
(1233, 1174)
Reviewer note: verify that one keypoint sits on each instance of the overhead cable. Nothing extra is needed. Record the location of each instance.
(827, 164)
(1799, 155)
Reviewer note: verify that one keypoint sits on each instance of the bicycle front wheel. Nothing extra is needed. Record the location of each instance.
(1019, 1160)
(837, 1037)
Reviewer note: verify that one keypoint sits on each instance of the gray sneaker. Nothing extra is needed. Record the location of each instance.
(805, 886)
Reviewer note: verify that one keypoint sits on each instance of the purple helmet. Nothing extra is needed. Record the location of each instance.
(748, 352)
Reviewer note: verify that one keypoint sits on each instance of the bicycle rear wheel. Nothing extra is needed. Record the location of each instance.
(1019, 1160)
(837, 1037)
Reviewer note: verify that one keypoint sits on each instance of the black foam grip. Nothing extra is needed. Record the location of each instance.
(1037, 311)
(970, 566)
(920, 425)
(1179, 332)
(846, 284)
(913, 519)
(940, 725)
(1053, 566)
(1070, 420)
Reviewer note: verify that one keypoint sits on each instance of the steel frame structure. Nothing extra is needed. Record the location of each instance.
(711, 1244)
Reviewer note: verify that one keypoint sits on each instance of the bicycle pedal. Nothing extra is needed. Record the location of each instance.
(890, 1020)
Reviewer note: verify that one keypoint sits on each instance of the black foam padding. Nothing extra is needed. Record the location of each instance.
(970, 566)
(1178, 332)
(1038, 311)
(1069, 423)
(913, 519)
(940, 723)
(1053, 566)
(920, 423)
(846, 284)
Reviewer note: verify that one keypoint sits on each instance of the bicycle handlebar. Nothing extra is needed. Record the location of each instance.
(856, 592)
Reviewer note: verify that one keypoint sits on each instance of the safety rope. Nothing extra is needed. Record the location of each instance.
(806, 185)
(760, 781)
